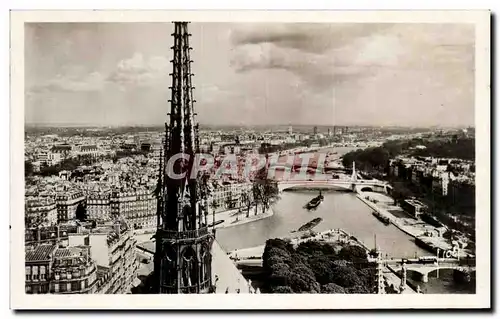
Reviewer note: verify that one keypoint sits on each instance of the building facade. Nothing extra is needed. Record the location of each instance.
(414, 207)
(50, 269)
(229, 196)
(88, 260)
(112, 246)
(138, 207)
(98, 206)
(73, 271)
(38, 263)
(67, 204)
(40, 211)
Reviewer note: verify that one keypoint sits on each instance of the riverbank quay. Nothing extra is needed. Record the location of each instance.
(230, 218)
(412, 227)
(236, 217)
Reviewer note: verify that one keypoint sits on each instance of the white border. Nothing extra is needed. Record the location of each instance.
(481, 299)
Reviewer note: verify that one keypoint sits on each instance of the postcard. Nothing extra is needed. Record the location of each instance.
(250, 159)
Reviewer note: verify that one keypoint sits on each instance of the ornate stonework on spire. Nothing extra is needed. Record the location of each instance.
(183, 243)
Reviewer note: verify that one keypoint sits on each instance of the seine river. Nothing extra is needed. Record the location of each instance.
(338, 210)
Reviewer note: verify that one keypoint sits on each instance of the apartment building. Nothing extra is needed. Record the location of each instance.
(112, 246)
(230, 195)
(98, 206)
(138, 207)
(49, 269)
(67, 204)
(40, 211)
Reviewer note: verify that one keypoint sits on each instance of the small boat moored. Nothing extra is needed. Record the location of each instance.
(216, 223)
(382, 218)
(315, 201)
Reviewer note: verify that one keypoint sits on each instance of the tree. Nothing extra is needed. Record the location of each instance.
(264, 190)
(400, 192)
(269, 194)
(322, 267)
(256, 190)
(283, 290)
(353, 253)
(332, 288)
(314, 267)
(346, 277)
(214, 205)
(247, 200)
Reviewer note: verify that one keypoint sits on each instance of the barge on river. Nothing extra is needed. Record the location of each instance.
(309, 225)
(384, 219)
(315, 201)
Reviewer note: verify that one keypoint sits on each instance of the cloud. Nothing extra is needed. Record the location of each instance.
(136, 71)
(315, 71)
(308, 37)
(140, 71)
(70, 82)
(260, 73)
(323, 56)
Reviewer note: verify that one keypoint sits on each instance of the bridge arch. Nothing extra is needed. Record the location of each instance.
(366, 189)
(414, 273)
(434, 271)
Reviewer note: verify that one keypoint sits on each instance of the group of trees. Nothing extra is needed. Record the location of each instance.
(266, 148)
(315, 267)
(261, 195)
(72, 163)
(67, 164)
(376, 159)
(459, 148)
(264, 191)
(126, 153)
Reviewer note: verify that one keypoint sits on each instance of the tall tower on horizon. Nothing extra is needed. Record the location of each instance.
(183, 259)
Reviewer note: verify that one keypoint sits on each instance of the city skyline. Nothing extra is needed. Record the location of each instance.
(110, 74)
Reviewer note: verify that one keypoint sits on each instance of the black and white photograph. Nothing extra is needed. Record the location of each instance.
(339, 159)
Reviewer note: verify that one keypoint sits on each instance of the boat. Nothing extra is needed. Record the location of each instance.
(216, 223)
(309, 225)
(315, 201)
(386, 220)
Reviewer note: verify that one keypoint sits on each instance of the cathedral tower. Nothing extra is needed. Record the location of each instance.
(182, 261)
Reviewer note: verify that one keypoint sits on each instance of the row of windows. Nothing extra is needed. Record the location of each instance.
(99, 211)
(68, 287)
(36, 273)
(37, 289)
(36, 277)
(133, 205)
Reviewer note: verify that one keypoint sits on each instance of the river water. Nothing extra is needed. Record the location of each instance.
(338, 210)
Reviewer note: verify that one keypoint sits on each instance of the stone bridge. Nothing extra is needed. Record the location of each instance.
(355, 186)
(424, 269)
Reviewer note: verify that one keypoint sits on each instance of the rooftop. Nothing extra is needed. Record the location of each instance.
(71, 256)
(40, 253)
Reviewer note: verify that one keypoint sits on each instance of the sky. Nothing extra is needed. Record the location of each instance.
(253, 74)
